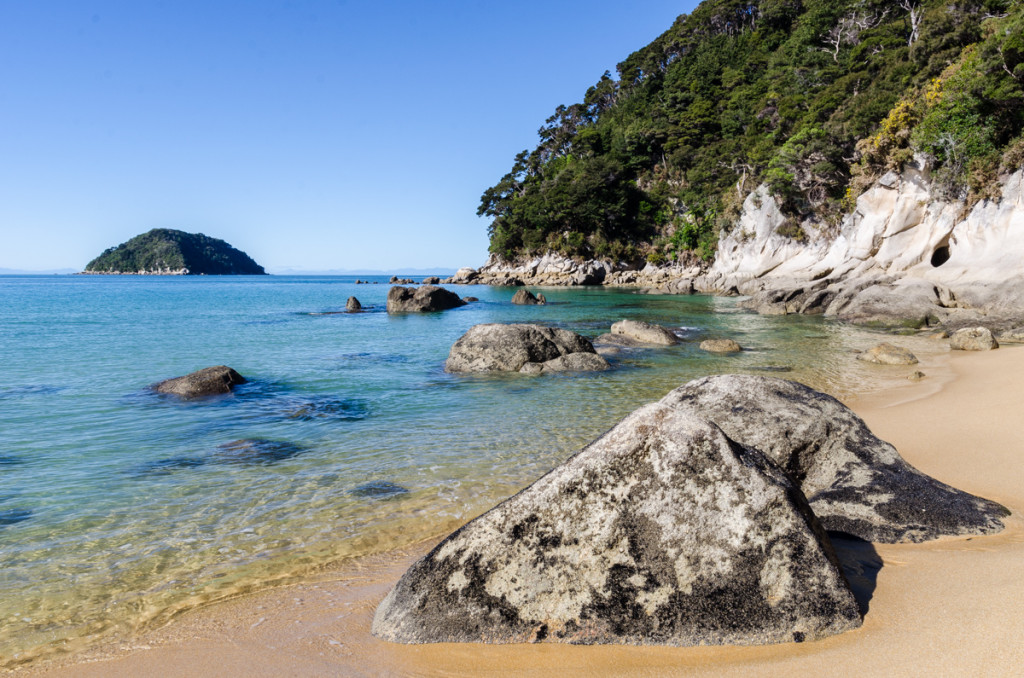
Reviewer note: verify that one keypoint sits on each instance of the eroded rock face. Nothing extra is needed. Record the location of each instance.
(207, 381)
(421, 299)
(661, 532)
(973, 339)
(645, 333)
(855, 482)
(888, 354)
(508, 348)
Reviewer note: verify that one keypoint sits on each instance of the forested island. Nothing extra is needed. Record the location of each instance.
(163, 251)
(814, 100)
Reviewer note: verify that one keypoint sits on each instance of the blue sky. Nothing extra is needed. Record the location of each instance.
(312, 135)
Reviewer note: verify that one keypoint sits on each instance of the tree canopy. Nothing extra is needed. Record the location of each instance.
(816, 99)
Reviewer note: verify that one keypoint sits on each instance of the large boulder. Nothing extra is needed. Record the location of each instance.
(888, 354)
(855, 482)
(420, 299)
(973, 339)
(208, 381)
(661, 532)
(645, 333)
(508, 348)
(353, 305)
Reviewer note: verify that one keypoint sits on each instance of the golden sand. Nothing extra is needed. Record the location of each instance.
(952, 607)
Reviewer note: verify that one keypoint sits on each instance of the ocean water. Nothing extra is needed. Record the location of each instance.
(120, 507)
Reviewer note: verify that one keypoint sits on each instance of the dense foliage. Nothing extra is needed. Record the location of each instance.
(813, 98)
(165, 250)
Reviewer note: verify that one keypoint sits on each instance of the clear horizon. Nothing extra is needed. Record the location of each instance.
(313, 136)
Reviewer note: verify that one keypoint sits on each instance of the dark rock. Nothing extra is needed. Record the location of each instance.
(973, 339)
(257, 451)
(422, 299)
(207, 381)
(162, 467)
(353, 305)
(855, 482)
(507, 348)
(395, 280)
(379, 489)
(888, 354)
(344, 409)
(773, 368)
(432, 280)
(661, 532)
(14, 516)
(6, 461)
(645, 333)
(469, 299)
(524, 298)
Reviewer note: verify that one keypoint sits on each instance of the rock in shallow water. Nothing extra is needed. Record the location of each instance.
(645, 333)
(720, 346)
(422, 299)
(888, 354)
(508, 348)
(855, 482)
(663, 531)
(215, 380)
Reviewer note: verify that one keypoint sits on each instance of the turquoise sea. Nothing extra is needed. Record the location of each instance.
(119, 507)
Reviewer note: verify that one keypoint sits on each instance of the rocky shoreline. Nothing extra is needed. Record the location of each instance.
(902, 258)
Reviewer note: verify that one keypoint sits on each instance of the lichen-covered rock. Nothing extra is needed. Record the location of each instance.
(422, 299)
(507, 348)
(855, 482)
(353, 305)
(645, 333)
(214, 380)
(720, 346)
(662, 532)
(526, 298)
(888, 354)
(973, 339)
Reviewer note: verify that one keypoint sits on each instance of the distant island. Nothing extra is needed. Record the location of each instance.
(163, 251)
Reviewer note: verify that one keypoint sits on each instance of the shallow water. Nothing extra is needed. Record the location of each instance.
(119, 507)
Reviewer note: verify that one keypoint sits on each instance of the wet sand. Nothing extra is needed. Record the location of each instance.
(950, 607)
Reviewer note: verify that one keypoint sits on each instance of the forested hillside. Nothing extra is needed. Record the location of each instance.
(817, 99)
(164, 250)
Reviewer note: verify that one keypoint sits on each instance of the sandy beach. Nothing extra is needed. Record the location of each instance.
(950, 607)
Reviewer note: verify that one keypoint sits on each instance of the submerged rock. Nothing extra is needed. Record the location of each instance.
(422, 299)
(14, 516)
(888, 354)
(661, 532)
(257, 451)
(973, 339)
(507, 348)
(207, 381)
(720, 346)
(855, 482)
(309, 409)
(162, 467)
(378, 489)
(645, 333)
(353, 305)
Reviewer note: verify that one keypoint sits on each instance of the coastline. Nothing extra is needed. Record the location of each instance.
(946, 607)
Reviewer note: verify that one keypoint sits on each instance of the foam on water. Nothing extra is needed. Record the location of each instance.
(119, 507)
